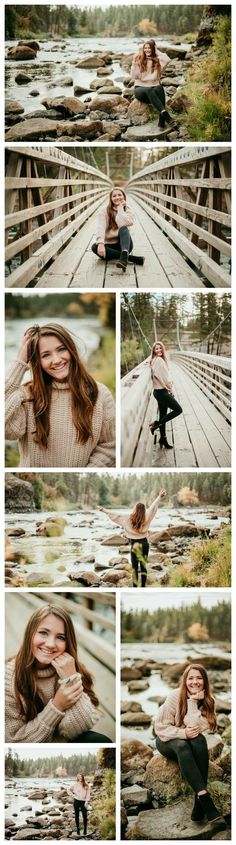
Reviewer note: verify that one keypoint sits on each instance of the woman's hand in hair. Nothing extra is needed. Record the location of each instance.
(64, 665)
(23, 353)
(68, 694)
(162, 494)
(100, 508)
(192, 731)
(101, 250)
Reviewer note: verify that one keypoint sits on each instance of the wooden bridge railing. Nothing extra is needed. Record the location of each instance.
(49, 197)
(187, 194)
(212, 373)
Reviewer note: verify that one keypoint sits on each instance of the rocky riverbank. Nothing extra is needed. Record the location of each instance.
(104, 109)
(155, 800)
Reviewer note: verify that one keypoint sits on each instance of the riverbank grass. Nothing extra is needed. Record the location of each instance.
(103, 812)
(208, 87)
(210, 565)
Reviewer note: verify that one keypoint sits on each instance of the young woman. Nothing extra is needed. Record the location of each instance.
(146, 71)
(81, 794)
(162, 384)
(113, 235)
(136, 525)
(62, 417)
(182, 724)
(49, 692)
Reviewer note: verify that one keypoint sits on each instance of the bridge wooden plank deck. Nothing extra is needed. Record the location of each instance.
(76, 266)
(201, 436)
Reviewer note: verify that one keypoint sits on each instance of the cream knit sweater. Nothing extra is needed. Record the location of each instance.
(125, 522)
(80, 792)
(149, 78)
(50, 725)
(160, 374)
(63, 448)
(165, 723)
(110, 236)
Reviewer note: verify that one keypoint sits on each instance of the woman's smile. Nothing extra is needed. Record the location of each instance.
(49, 640)
(194, 681)
(54, 357)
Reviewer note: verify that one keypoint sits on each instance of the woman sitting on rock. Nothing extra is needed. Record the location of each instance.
(146, 71)
(49, 692)
(182, 726)
(136, 525)
(81, 794)
(62, 417)
(113, 239)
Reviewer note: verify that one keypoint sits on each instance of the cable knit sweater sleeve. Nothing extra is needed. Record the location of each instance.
(117, 518)
(39, 729)
(101, 229)
(79, 718)
(104, 452)
(124, 217)
(161, 372)
(150, 512)
(165, 723)
(15, 410)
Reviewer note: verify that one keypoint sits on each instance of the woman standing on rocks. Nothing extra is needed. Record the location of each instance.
(113, 239)
(146, 71)
(182, 726)
(49, 695)
(163, 386)
(81, 794)
(136, 525)
(62, 417)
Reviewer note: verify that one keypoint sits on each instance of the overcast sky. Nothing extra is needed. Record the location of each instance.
(149, 600)
(35, 753)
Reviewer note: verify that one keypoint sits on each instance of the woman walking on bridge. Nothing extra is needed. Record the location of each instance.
(62, 416)
(49, 695)
(163, 392)
(113, 239)
(136, 525)
(81, 794)
(182, 727)
(146, 71)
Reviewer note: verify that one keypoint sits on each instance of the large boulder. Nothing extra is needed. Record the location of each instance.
(136, 720)
(114, 576)
(32, 130)
(168, 823)
(21, 53)
(13, 107)
(131, 706)
(19, 494)
(81, 89)
(68, 106)
(109, 103)
(188, 530)
(65, 82)
(148, 132)
(164, 779)
(115, 540)
(139, 113)
(130, 673)
(87, 579)
(135, 795)
(135, 755)
(84, 129)
(34, 45)
(91, 62)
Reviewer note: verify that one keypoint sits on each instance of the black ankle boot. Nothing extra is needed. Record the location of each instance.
(123, 260)
(209, 807)
(153, 427)
(162, 120)
(136, 259)
(166, 117)
(164, 443)
(197, 814)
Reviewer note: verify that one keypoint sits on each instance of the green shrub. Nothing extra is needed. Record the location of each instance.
(208, 87)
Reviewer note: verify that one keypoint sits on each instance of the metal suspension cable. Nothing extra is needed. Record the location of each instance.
(204, 339)
(136, 321)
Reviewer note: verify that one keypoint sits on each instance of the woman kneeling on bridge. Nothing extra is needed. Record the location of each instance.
(146, 72)
(62, 417)
(49, 692)
(182, 727)
(136, 525)
(113, 237)
(163, 392)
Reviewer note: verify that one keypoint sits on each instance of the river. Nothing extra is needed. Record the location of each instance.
(56, 59)
(17, 795)
(56, 556)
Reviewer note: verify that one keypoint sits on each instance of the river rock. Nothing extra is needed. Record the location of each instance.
(16, 532)
(130, 673)
(168, 823)
(188, 530)
(222, 721)
(32, 130)
(21, 53)
(143, 666)
(114, 576)
(69, 106)
(109, 88)
(81, 129)
(34, 45)
(100, 83)
(215, 745)
(221, 795)
(135, 795)
(133, 706)
(118, 560)
(149, 132)
(134, 720)
(181, 103)
(223, 706)
(164, 778)
(109, 103)
(135, 755)
(139, 113)
(88, 579)
(111, 129)
(225, 762)
(102, 71)
(34, 92)
(13, 107)
(114, 540)
(215, 771)
(86, 559)
(91, 62)
(138, 686)
(80, 89)
(36, 579)
(22, 78)
(27, 833)
(65, 82)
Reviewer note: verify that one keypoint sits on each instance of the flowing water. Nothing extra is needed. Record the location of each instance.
(83, 535)
(56, 59)
(17, 795)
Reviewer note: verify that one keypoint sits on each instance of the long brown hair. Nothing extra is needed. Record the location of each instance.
(111, 210)
(83, 387)
(137, 518)
(143, 59)
(153, 354)
(84, 782)
(25, 673)
(207, 705)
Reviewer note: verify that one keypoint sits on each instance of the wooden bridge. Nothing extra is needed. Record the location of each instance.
(181, 205)
(201, 434)
(94, 621)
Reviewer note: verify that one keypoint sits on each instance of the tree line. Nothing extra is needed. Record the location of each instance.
(114, 20)
(47, 766)
(174, 624)
(69, 305)
(89, 491)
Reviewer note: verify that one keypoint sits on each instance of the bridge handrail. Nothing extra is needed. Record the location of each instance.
(44, 212)
(136, 389)
(212, 373)
(187, 194)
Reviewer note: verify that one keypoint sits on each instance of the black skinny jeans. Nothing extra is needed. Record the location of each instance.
(90, 736)
(124, 242)
(80, 805)
(139, 555)
(166, 400)
(153, 94)
(192, 756)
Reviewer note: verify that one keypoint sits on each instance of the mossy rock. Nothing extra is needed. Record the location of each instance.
(221, 795)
